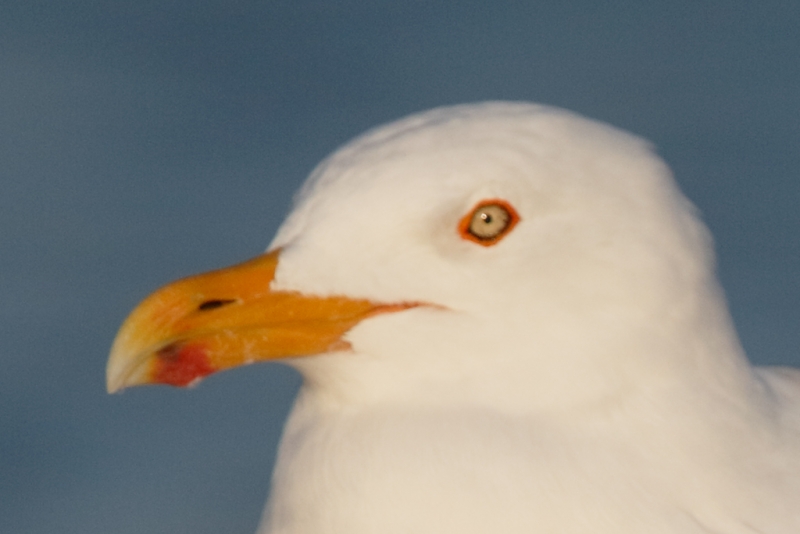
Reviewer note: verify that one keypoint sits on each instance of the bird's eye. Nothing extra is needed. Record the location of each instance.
(488, 222)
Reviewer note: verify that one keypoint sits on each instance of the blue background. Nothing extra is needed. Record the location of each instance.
(144, 140)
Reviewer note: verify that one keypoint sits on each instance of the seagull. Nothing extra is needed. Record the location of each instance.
(507, 320)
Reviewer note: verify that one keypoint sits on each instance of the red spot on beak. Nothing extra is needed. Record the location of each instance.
(180, 365)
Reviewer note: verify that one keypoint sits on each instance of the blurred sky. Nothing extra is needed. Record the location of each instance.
(144, 140)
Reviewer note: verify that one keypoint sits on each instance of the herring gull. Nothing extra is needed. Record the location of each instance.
(507, 320)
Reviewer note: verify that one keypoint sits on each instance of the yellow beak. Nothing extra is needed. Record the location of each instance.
(226, 318)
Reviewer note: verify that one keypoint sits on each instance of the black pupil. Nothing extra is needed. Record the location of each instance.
(486, 218)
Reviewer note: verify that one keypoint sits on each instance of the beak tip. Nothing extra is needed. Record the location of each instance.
(124, 370)
(114, 381)
(113, 386)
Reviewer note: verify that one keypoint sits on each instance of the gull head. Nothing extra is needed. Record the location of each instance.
(506, 253)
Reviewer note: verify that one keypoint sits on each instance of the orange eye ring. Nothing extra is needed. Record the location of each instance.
(488, 222)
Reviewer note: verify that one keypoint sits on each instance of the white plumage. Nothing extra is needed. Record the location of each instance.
(579, 374)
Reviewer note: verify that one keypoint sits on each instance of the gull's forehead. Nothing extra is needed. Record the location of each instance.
(450, 146)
